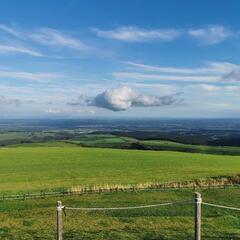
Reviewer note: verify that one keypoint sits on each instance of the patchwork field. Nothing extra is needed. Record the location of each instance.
(49, 166)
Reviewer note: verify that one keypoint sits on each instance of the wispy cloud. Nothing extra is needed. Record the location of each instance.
(211, 72)
(48, 37)
(210, 68)
(206, 35)
(149, 76)
(30, 75)
(10, 30)
(214, 88)
(18, 49)
(134, 34)
(53, 37)
(210, 35)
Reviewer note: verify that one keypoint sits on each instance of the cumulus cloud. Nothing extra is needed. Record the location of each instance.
(134, 34)
(122, 98)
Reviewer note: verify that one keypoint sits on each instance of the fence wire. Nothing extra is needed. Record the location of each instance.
(126, 208)
(220, 206)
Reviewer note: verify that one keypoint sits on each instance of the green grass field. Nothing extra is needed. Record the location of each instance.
(114, 141)
(108, 141)
(33, 167)
(36, 219)
(41, 167)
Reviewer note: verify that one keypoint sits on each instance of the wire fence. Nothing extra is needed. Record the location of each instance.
(125, 208)
(196, 202)
(88, 190)
(220, 206)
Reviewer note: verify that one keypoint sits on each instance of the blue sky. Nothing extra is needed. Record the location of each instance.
(119, 59)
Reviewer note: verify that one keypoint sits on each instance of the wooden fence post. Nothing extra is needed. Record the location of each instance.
(59, 220)
(198, 202)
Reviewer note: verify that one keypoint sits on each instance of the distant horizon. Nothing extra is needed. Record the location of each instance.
(122, 118)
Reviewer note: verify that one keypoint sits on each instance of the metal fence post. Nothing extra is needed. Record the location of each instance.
(198, 202)
(59, 220)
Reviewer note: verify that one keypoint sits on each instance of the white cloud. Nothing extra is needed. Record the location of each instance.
(50, 110)
(134, 34)
(211, 72)
(53, 37)
(161, 77)
(9, 30)
(30, 75)
(17, 49)
(210, 68)
(122, 98)
(210, 35)
(44, 36)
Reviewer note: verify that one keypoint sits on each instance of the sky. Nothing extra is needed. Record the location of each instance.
(138, 58)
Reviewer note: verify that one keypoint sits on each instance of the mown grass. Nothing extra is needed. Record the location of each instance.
(35, 219)
(33, 168)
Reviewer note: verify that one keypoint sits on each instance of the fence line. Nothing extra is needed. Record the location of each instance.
(197, 202)
(66, 192)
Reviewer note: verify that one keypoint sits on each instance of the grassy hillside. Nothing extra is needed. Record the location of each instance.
(35, 219)
(35, 168)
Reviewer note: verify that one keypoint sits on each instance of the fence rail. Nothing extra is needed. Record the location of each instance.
(197, 202)
(67, 192)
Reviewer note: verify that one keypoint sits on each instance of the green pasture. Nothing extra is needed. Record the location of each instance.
(36, 219)
(41, 167)
(114, 141)
(79, 138)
